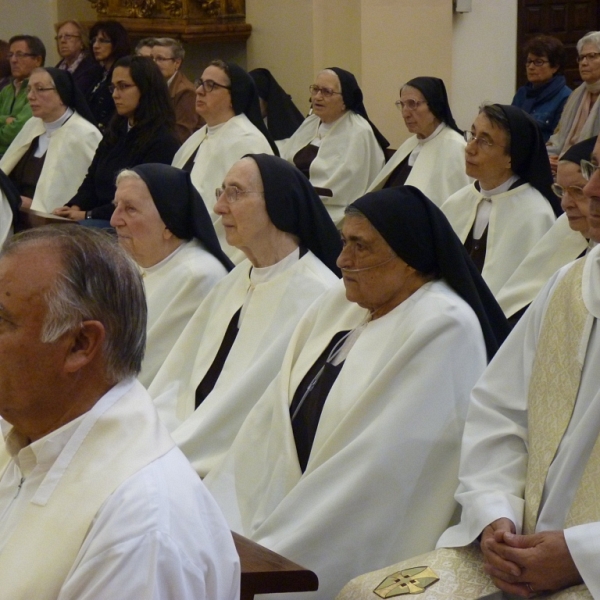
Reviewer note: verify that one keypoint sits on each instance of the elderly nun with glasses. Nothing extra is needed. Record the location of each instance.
(433, 158)
(338, 149)
(233, 346)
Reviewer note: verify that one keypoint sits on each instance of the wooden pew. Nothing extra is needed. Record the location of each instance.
(266, 572)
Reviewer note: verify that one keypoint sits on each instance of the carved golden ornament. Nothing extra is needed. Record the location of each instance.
(406, 582)
(140, 8)
(100, 6)
(173, 7)
(212, 7)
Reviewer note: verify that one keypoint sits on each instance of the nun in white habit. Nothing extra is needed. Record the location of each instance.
(163, 223)
(511, 205)
(337, 147)
(349, 461)
(433, 159)
(234, 344)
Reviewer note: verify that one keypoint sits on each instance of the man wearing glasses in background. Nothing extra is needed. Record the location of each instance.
(26, 53)
(168, 54)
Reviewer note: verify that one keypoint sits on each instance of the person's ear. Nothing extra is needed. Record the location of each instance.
(86, 344)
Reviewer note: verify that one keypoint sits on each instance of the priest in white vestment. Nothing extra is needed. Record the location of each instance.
(511, 205)
(337, 147)
(95, 499)
(161, 220)
(227, 99)
(433, 159)
(234, 344)
(50, 156)
(350, 457)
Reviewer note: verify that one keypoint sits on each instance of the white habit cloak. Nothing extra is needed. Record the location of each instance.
(379, 482)
(6, 219)
(494, 456)
(216, 155)
(68, 157)
(349, 159)
(273, 312)
(439, 170)
(559, 246)
(519, 219)
(174, 289)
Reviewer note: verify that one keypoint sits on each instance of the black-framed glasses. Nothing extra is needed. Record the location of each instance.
(209, 85)
(588, 169)
(589, 56)
(232, 193)
(480, 141)
(575, 191)
(537, 62)
(38, 90)
(410, 104)
(325, 92)
(121, 86)
(66, 36)
(19, 55)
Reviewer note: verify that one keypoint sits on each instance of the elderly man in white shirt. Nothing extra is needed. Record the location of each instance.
(94, 497)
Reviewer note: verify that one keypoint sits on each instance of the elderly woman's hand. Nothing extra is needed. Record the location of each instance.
(70, 212)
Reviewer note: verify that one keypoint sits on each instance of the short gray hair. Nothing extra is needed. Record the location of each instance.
(149, 41)
(593, 37)
(127, 174)
(175, 45)
(99, 282)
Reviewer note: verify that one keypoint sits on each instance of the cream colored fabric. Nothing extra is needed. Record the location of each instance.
(216, 154)
(554, 384)
(439, 170)
(348, 161)
(558, 247)
(518, 220)
(6, 219)
(69, 155)
(56, 522)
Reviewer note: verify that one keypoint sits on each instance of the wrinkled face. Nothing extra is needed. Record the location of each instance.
(22, 65)
(382, 287)
(589, 68)
(485, 162)
(573, 201)
(541, 74)
(328, 108)
(102, 47)
(420, 120)
(69, 42)
(163, 57)
(592, 191)
(245, 220)
(214, 107)
(29, 369)
(126, 95)
(140, 229)
(43, 98)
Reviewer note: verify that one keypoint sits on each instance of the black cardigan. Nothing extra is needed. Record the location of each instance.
(97, 191)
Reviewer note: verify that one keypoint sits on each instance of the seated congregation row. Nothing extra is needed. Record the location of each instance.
(248, 369)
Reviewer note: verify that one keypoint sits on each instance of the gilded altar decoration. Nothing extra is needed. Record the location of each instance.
(212, 7)
(100, 6)
(173, 7)
(141, 8)
(406, 583)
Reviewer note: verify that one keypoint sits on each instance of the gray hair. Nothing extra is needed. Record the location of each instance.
(593, 37)
(175, 45)
(127, 174)
(497, 118)
(99, 282)
(149, 41)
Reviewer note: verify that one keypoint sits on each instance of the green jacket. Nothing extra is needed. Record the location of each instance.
(13, 107)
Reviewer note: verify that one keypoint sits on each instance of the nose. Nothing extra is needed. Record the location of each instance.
(117, 217)
(592, 187)
(344, 260)
(566, 201)
(221, 205)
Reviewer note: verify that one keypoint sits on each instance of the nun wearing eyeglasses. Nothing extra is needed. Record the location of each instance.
(511, 205)
(567, 240)
(433, 158)
(350, 458)
(227, 99)
(234, 343)
(50, 156)
(338, 149)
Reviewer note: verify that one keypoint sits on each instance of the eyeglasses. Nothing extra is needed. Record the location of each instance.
(409, 104)
(232, 192)
(325, 92)
(480, 141)
(100, 41)
(161, 59)
(575, 191)
(19, 55)
(589, 56)
(588, 169)
(121, 86)
(538, 62)
(66, 37)
(209, 85)
(38, 90)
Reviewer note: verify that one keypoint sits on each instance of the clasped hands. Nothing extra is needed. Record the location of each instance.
(527, 564)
